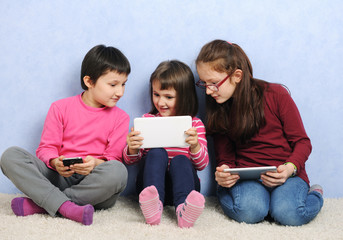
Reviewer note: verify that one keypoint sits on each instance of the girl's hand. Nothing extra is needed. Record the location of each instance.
(85, 168)
(225, 179)
(134, 142)
(64, 171)
(192, 139)
(273, 179)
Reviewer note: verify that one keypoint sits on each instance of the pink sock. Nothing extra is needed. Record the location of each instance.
(81, 214)
(151, 205)
(189, 211)
(23, 206)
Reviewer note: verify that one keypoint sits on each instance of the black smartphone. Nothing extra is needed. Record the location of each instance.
(71, 161)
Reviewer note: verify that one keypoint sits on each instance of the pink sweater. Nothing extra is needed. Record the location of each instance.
(199, 160)
(74, 129)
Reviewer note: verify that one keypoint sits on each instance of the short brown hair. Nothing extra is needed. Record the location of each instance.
(101, 59)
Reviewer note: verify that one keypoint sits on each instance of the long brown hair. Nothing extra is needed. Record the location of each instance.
(177, 75)
(242, 115)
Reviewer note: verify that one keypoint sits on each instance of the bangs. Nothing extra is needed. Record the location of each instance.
(166, 82)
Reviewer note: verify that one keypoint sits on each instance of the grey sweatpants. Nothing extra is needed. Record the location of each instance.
(50, 190)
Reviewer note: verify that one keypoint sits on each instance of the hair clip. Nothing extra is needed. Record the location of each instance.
(229, 42)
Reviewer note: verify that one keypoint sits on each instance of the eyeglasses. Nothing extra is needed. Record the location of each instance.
(212, 87)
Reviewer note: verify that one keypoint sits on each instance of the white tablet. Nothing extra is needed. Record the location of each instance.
(250, 172)
(163, 131)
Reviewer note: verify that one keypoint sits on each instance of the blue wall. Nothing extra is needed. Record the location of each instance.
(297, 43)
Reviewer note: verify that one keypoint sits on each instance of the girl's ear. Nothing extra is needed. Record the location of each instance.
(88, 82)
(237, 76)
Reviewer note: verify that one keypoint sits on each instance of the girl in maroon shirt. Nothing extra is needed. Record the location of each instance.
(255, 123)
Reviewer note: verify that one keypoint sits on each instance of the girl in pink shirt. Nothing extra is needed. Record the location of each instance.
(89, 126)
(168, 175)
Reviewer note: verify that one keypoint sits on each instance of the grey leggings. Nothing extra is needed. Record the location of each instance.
(50, 190)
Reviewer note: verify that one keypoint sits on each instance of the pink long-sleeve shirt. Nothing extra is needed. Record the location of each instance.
(199, 160)
(74, 129)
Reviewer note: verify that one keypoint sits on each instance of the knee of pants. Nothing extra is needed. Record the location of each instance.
(290, 203)
(287, 213)
(8, 160)
(181, 162)
(114, 177)
(249, 209)
(157, 157)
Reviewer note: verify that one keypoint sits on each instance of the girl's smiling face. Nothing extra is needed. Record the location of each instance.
(164, 100)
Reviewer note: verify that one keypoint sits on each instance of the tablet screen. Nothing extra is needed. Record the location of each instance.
(250, 172)
(163, 131)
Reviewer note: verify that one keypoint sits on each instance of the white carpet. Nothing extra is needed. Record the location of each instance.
(125, 221)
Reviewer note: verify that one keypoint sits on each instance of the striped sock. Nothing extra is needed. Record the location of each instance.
(151, 205)
(189, 211)
(23, 206)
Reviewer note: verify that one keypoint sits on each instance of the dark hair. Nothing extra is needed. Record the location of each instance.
(243, 114)
(101, 59)
(177, 75)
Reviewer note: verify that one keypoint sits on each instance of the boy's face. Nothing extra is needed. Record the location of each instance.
(107, 91)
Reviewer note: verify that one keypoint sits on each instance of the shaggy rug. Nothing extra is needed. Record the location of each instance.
(125, 221)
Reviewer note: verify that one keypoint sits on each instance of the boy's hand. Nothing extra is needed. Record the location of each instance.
(85, 168)
(57, 163)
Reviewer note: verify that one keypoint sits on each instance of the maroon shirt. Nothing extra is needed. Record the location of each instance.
(282, 139)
